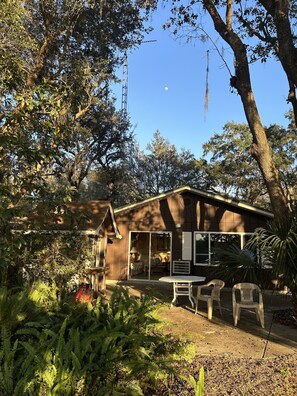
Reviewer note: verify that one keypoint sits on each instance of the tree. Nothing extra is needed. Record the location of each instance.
(234, 171)
(141, 174)
(270, 25)
(57, 114)
(162, 168)
(231, 167)
(100, 140)
(279, 38)
(118, 181)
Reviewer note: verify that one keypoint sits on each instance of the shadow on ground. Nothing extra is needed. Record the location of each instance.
(220, 336)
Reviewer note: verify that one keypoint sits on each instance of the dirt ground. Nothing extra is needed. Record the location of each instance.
(242, 360)
(219, 336)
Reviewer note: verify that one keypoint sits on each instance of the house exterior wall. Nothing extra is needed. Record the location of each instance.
(176, 213)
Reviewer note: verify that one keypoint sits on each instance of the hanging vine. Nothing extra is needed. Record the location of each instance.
(206, 97)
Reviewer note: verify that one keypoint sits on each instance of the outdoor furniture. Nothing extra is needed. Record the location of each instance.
(247, 293)
(182, 286)
(136, 267)
(215, 294)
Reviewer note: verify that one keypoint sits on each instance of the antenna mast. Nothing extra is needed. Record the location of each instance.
(125, 85)
(125, 80)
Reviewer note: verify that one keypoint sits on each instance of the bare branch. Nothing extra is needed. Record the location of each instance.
(229, 14)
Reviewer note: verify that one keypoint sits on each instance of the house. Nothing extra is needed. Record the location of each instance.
(176, 233)
(94, 219)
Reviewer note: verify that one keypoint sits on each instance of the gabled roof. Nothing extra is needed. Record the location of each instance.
(216, 197)
(85, 217)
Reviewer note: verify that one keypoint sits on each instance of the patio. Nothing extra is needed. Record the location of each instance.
(219, 336)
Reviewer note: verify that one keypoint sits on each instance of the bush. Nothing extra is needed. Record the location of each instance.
(75, 349)
(237, 265)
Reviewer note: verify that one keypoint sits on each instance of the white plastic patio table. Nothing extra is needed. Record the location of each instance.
(182, 285)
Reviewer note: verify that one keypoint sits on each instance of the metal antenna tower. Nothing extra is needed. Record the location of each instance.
(125, 85)
(125, 80)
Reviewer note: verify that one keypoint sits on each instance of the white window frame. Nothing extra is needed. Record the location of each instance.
(209, 233)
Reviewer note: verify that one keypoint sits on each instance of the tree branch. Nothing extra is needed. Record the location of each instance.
(242, 82)
(229, 14)
(279, 10)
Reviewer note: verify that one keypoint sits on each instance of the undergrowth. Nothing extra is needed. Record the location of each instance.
(50, 347)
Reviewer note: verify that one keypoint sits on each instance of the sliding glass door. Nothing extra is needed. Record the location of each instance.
(149, 255)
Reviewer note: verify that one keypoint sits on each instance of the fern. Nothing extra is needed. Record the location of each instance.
(78, 350)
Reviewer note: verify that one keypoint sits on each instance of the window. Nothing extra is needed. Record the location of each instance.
(207, 242)
(163, 241)
(202, 248)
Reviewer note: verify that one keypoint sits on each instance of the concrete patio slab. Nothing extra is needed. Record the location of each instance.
(220, 336)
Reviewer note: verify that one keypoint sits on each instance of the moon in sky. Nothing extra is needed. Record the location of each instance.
(166, 88)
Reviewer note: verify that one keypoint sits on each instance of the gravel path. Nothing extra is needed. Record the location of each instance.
(239, 377)
(238, 370)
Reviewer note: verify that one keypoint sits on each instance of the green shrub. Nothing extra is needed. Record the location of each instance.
(75, 349)
(235, 265)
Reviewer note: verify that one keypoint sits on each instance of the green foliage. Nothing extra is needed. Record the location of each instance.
(57, 113)
(198, 386)
(232, 169)
(12, 362)
(15, 307)
(237, 265)
(279, 241)
(56, 258)
(113, 348)
(58, 118)
(43, 295)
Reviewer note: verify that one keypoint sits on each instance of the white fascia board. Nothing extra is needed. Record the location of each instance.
(116, 230)
(230, 201)
(216, 197)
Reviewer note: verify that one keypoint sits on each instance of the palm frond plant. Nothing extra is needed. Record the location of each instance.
(280, 242)
(236, 265)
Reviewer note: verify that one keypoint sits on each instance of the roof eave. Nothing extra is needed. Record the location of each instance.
(216, 197)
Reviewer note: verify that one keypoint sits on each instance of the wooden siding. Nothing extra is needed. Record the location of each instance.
(176, 213)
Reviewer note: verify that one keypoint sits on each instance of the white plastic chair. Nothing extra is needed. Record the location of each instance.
(247, 292)
(215, 295)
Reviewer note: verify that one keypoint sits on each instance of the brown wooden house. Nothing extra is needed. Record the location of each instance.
(176, 233)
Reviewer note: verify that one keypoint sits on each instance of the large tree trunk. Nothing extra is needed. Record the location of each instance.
(285, 49)
(242, 83)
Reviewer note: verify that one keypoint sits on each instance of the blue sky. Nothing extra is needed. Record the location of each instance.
(166, 89)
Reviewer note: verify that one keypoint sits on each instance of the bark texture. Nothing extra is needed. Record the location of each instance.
(286, 51)
(242, 83)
